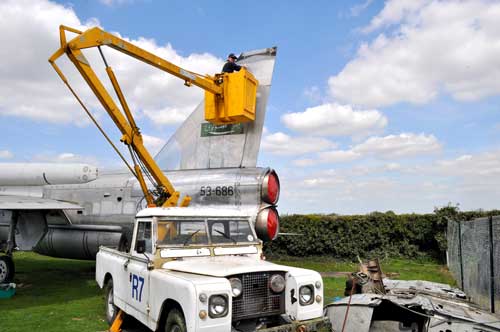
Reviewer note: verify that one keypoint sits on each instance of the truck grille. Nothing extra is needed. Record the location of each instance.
(257, 299)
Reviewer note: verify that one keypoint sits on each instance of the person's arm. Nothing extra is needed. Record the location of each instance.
(236, 67)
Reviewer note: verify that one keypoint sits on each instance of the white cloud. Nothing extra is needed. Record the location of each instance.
(313, 94)
(351, 195)
(306, 162)
(367, 169)
(169, 115)
(328, 157)
(323, 181)
(282, 144)
(335, 120)
(338, 156)
(24, 71)
(392, 167)
(472, 180)
(163, 98)
(152, 143)
(356, 10)
(6, 154)
(65, 157)
(477, 168)
(112, 3)
(437, 47)
(397, 146)
(394, 11)
(404, 145)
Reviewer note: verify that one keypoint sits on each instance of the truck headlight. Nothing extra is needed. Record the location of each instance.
(218, 306)
(277, 283)
(306, 295)
(236, 287)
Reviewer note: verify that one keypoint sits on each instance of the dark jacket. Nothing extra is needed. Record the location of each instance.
(229, 67)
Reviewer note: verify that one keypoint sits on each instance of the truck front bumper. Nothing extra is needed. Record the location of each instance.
(313, 325)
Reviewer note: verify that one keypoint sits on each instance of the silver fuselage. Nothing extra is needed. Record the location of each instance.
(110, 203)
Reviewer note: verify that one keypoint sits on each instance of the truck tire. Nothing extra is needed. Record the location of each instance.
(6, 269)
(111, 308)
(175, 322)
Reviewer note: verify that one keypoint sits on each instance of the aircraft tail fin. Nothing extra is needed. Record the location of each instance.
(198, 144)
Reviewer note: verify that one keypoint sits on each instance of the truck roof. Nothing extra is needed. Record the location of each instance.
(193, 212)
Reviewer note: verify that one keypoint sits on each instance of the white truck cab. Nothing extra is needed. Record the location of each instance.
(202, 269)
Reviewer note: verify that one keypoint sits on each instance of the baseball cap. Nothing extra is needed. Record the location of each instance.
(231, 55)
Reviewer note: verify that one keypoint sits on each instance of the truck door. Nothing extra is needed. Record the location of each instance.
(138, 292)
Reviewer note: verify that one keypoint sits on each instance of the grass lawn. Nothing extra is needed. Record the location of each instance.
(407, 270)
(61, 295)
(53, 295)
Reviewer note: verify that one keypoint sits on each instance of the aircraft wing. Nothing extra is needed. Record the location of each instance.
(198, 144)
(35, 203)
(31, 222)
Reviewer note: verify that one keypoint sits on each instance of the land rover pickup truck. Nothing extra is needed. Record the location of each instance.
(201, 269)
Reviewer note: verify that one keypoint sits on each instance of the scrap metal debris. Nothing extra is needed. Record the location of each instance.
(376, 304)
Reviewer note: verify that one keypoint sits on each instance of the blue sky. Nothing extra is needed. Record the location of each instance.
(374, 106)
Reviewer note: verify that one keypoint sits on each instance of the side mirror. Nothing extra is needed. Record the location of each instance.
(140, 246)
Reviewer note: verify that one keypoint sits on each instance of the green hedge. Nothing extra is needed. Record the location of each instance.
(376, 234)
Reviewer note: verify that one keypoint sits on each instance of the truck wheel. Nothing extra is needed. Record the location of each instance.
(111, 308)
(175, 322)
(6, 269)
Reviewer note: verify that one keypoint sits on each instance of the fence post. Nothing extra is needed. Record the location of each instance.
(460, 254)
(492, 265)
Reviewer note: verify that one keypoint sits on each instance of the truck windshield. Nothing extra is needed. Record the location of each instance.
(183, 232)
(225, 231)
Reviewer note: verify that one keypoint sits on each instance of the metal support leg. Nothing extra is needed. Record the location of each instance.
(11, 242)
(117, 323)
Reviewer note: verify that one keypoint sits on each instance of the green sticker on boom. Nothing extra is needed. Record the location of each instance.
(209, 129)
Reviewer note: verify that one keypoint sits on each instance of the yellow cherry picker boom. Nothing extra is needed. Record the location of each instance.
(229, 98)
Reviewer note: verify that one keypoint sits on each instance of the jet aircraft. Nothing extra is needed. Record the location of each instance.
(69, 211)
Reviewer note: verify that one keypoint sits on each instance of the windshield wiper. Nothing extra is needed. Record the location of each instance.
(190, 237)
(226, 236)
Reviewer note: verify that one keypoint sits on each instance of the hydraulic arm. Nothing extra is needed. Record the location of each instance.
(229, 98)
